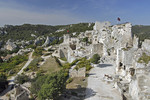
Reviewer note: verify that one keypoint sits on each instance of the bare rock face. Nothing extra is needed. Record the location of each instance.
(37, 41)
(146, 45)
(47, 42)
(10, 45)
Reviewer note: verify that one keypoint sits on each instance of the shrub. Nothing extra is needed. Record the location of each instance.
(26, 69)
(33, 65)
(69, 80)
(85, 39)
(95, 59)
(67, 66)
(74, 62)
(144, 58)
(22, 79)
(84, 63)
(64, 59)
(49, 86)
(38, 51)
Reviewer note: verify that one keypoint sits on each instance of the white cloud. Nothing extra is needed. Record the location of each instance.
(53, 17)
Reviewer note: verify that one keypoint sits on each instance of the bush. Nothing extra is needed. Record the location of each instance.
(54, 85)
(74, 62)
(26, 69)
(144, 58)
(64, 59)
(49, 86)
(22, 79)
(69, 80)
(66, 66)
(33, 65)
(95, 59)
(38, 51)
(85, 39)
(84, 63)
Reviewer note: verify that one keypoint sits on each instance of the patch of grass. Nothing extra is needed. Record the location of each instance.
(77, 80)
(126, 49)
(57, 60)
(50, 66)
(95, 59)
(47, 54)
(69, 80)
(144, 58)
(74, 62)
(33, 66)
(64, 59)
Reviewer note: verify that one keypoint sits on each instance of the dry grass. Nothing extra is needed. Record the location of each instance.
(82, 81)
(50, 66)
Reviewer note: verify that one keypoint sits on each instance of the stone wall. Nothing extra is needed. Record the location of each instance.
(122, 33)
(135, 42)
(146, 45)
(78, 73)
(97, 49)
(100, 25)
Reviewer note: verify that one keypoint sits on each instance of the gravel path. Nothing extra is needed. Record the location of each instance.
(97, 88)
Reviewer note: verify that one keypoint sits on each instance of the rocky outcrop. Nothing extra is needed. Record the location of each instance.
(10, 45)
(47, 42)
(146, 45)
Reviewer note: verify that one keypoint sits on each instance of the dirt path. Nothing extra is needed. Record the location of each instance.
(100, 89)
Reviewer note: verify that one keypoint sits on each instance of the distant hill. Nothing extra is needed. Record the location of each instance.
(141, 31)
(23, 32)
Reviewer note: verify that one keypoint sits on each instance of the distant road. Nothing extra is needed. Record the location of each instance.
(11, 81)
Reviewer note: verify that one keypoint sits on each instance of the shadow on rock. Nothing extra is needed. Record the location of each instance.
(104, 65)
(77, 94)
(91, 74)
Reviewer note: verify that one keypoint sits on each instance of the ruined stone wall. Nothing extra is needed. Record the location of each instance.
(128, 57)
(135, 42)
(100, 25)
(122, 33)
(146, 45)
(66, 39)
(97, 49)
(22, 96)
(63, 50)
(78, 73)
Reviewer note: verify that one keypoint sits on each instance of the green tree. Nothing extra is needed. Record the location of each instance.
(54, 85)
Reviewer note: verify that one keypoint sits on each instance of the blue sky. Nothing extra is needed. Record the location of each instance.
(58, 12)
